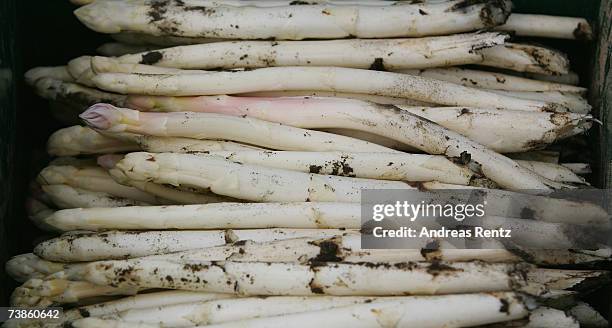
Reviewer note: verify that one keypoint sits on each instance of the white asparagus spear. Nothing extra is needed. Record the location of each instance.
(126, 304)
(378, 54)
(519, 132)
(73, 93)
(327, 21)
(291, 279)
(493, 80)
(358, 53)
(169, 194)
(143, 301)
(46, 292)
(277, 3)
(55, 72)
(129, 244)
(65, 196)
(451, 311)
(94, 179)
(388, 166)
(309, 93)
(79, 140)
(345, 248)
(526, 58)
(554, 172)
(214, 126)
(116, 49)
(26, 266)
(572, 101)
(78, 66)
(212, 216)
(167, 144)
(226, 310)
(548, 26)
(413, 131)
(250, 182)
(337, 79)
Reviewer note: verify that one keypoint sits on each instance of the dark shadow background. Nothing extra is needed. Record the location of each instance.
(45, 33)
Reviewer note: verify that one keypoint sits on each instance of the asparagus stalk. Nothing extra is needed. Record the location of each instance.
(74, 94)
(78, 140)
(526, 130)
(327, 21)
(345, 248)
(226, 310)
(401, 126)
(170, 193)
(291, 279)
(212, 216)
(526, 58)
(574, 102)
(493, 80)
(242, 129)
(129, 244)
(65, 196)
(479, 125)
(179, 145)
(43, 293)
(27, 266)
(411, 313)
(196, 83)
(59, 73)
(303, 93)
(247, 309)
(94, 179)
(355, 53)
(548, 27)
(554, 172)
(250, 182)
(143, 301)
(387, 166)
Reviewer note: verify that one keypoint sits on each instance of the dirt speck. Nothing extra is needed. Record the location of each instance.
(151, 58)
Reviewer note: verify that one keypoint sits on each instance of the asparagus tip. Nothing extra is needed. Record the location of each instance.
(109, 161)
(99, 116)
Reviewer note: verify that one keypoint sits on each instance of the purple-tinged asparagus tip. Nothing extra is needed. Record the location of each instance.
(100, 116)
(109, 161)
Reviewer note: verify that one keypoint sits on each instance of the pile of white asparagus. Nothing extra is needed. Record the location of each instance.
(216, 179)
